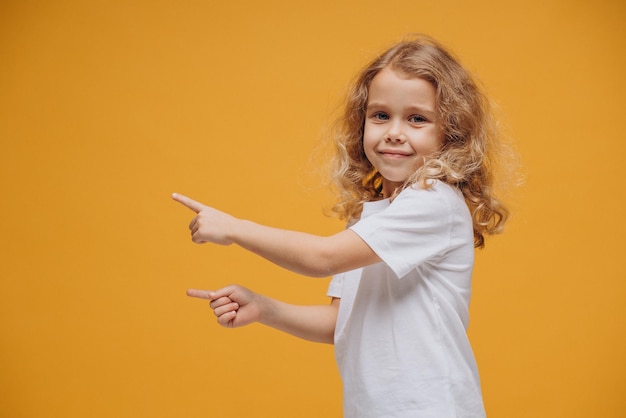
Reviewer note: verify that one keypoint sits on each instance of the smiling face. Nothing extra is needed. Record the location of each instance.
(401, 127)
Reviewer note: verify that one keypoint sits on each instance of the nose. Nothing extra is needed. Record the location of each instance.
(395, 133)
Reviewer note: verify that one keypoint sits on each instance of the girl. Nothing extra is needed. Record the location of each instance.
(413, 171)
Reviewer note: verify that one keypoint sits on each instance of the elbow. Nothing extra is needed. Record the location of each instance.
(317, 271)
(321, 265)
(323, 258)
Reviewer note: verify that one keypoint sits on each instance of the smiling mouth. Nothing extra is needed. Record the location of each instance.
(393, 154)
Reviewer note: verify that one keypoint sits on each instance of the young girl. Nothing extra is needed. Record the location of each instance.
(413, 172)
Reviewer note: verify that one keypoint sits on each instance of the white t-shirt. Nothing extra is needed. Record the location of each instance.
(400, 341)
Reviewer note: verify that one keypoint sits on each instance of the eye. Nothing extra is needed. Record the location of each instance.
(380, 116)
(417, 119)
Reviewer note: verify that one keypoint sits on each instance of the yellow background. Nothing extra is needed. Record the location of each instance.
(108, 107)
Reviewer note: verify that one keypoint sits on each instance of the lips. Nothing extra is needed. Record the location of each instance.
(394, 153)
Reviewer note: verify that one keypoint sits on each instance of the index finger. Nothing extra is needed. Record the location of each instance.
(186, 201)
(201, 294)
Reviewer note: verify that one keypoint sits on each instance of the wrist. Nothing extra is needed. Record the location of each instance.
(267, 310)
(236, 232)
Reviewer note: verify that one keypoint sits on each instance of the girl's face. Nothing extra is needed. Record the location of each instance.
(401, 126)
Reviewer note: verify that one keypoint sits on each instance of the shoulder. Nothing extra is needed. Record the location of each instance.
(440, 197)
(417, 226)
(437, 188)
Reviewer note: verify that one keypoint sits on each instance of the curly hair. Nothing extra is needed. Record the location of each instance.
(467, 157)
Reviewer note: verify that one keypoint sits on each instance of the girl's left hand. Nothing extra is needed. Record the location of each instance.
(209, 225)
(234, 305)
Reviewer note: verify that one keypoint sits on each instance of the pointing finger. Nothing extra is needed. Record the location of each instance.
(201, 294)
(190, 203)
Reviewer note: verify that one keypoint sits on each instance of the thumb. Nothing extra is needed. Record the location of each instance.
(223, 292)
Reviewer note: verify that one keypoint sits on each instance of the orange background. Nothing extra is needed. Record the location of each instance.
(108, 107)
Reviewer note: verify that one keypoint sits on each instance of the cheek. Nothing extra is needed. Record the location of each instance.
(368, 149)
(368, 139)
(432, 143)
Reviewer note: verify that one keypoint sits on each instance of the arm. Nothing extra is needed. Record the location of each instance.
(306, 254)
(236, 306)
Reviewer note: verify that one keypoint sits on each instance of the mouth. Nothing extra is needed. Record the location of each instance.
(394, 154)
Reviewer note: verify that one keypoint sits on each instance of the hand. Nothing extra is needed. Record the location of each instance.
(234, 305)
(209, 225)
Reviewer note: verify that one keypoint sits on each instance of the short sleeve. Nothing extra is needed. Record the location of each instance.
(335, 286)
(414, 228)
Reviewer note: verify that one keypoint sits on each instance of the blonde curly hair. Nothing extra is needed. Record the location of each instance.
(470, 148)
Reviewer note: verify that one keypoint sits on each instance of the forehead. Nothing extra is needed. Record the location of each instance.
(391, 87)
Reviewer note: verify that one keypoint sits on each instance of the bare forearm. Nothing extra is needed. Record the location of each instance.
(313, 323)
(302, 253)
(299, 252)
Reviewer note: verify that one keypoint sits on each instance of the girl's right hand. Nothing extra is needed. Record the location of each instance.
(234, 305)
